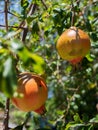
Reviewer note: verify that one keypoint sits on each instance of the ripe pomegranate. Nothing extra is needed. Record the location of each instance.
(34, 91)
(73, 45)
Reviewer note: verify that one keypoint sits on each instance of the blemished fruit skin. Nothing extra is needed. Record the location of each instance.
(73, 44)
(34, 93)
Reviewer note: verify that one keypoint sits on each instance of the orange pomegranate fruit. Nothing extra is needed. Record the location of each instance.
(73, 45)
(34, 91)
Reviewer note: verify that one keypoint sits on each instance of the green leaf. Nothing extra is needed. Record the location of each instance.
(77, 118)
(71, 125)
(95, 119)
(68, 69)
(89, 57)
(24, 3)
(7, 67)
(39, 65)
(31, 18)
(35, 28)
(33, 60)
(16, 45)
(91, 127)
(2, 51)
(8, 78)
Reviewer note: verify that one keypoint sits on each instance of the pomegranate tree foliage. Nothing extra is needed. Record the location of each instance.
(27, 43)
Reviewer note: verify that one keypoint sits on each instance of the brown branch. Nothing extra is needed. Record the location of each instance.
(6, 115)
(13, 14)
(19, 27)
(43, 2)
(6, 14)
(72, 13)
(25, 31)
(9, 13)
(31, 10)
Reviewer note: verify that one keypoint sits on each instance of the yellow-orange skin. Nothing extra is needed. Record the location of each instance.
(34, 91)
(73, 44)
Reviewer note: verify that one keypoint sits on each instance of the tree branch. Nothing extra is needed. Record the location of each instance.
(6, 14)
(31, 10)
(43, 2)
(19, 27)
(6, 115)
(72, 13)
(13, 14)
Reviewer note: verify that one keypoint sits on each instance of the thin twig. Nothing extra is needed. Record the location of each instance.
(31, 10)
(13, 14)
(28, 116)
(9, 13)
(72, 13)
(10, 26)
(43, 2)
(69, 101)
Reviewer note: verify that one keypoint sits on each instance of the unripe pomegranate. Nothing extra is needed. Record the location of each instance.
(73, 45)
(34, 91)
